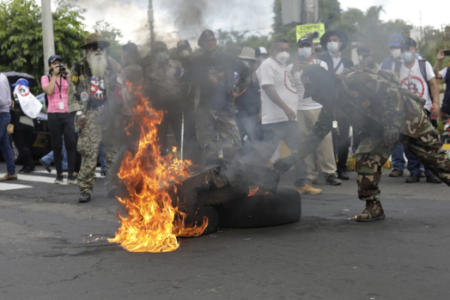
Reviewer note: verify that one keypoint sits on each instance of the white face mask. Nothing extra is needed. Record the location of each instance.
(283, 57)
(407, 57)
(396, 53)
(333, 47)
(304, 52)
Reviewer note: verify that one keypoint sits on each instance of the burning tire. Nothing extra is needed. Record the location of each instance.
(263, 210)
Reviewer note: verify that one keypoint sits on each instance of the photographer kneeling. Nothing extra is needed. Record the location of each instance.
(60, 121)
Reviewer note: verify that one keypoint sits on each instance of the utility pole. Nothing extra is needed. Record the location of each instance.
(47, 31)
(151, 22)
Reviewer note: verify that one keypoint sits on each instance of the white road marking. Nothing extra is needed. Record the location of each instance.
(13, 186)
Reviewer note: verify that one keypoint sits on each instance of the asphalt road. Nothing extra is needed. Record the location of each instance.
(51, 247)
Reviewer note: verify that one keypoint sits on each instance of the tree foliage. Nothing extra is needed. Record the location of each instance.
(21, 46)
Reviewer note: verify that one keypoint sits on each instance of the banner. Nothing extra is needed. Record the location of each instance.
(303, 30)
(28, 103)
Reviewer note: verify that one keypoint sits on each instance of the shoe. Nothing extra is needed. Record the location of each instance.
(8, 177)
(308, 189)
(103, 173)
(333, 180)
(373, 212)
(84, 198)
(396, 173)
(71, 179)
(26, 170)
(433, 179)
(422, 174)
(59, 179)
(412, 179)
(46, 166)
(343, 175)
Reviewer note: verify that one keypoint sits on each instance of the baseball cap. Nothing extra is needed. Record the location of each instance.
(21, 81)
(395, 40)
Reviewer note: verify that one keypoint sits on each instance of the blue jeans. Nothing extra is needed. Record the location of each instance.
(49, 157)
(5, 144)
(398, 160)
(101, 158)
(415, 167)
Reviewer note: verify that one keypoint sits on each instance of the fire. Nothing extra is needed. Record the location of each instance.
(153, 222)
(252, 191)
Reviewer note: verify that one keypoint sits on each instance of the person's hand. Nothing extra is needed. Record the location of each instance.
(391, 136)
(440, 55)
(290, 114)
(435, 112)
(10, 129)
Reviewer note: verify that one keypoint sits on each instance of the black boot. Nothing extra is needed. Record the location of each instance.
(84, 198)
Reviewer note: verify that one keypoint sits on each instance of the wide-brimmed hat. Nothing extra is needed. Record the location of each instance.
(247, 53)
(95, 38)
(341, 35)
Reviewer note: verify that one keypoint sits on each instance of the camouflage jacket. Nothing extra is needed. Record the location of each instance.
(80, 84)
(373, 101)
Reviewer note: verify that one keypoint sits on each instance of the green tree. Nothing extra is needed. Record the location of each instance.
(21, 35)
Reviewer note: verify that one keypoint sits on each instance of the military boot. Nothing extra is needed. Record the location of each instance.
(373, 212)
(84, 198)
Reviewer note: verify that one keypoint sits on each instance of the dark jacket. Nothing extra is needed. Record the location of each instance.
(326, 57)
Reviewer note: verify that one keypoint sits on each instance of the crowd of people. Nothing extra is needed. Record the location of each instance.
(219, 107)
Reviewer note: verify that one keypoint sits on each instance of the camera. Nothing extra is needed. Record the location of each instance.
(62, 70)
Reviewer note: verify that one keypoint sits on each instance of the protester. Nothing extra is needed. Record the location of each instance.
(335, 42)
(322, 159)
(393, 64)
(279, 104)
(417, 76)
(23, 130)
(213, 76)
(5, 119)
(164, 86)
(60, 120)
(247, 97)
(385, 113)
(93, 80)
(443, 74)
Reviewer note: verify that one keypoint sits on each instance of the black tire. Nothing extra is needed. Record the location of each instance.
(208, 212)
(272, 209)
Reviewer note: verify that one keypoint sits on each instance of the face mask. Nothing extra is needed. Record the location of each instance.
(246, 63)
(304, 52)
(333, 47)
(162, 57)
(283, 57)
(396, 53)
(185, 53)
(407, 57)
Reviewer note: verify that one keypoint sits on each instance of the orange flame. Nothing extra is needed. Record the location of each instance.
(152, 223)
(252, 191)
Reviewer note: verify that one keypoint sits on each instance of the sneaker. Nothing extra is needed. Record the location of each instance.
(396, 173)
(308, 189)
(343, 175)
(373, 212)
(46, 166)
(333, 180)
(433, 179)
(26, 170)
(59, 179)
(72, 179)
(8, 177)
(103, 173)
(412, 179)
(84, 198)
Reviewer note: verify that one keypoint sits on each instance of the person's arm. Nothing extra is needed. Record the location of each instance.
(275, 98)
(5, 91)
(48, 86)
(437, 65)
(436, 108)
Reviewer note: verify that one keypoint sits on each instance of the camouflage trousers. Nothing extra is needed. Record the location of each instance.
(88, 143)
(419, 137)
(216, 132)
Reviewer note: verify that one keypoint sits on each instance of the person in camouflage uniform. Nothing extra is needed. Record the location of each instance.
(385, 113)
(92, 81)
(215, 124)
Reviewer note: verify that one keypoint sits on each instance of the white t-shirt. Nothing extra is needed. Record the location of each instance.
(412, 80)
(443, 72)
(307, 103)
(272, 73)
